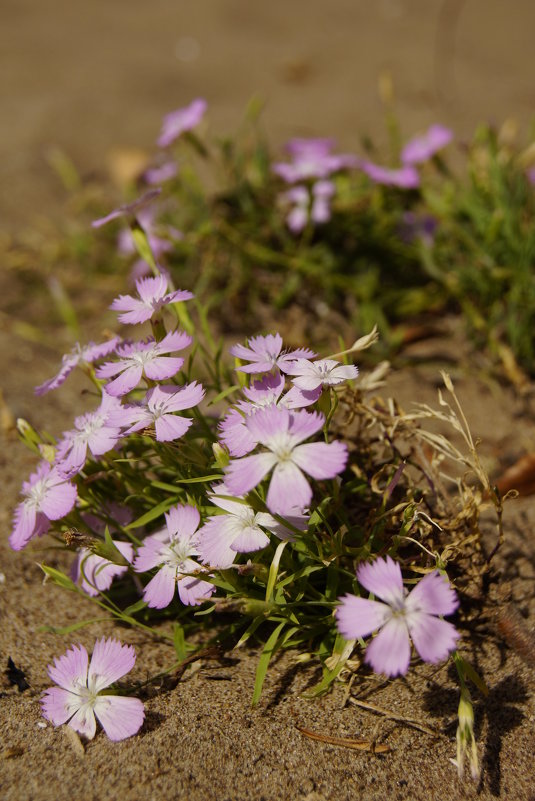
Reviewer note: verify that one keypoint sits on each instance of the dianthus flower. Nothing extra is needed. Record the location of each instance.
(310, 376)
(305, 205)
(48, 497)
(267, 392)
(265, 353)
(282, 432)
(400, 616)
(161, 173)
(80, 354)
(239, 530)
(152, 296)
(78, 698)
(406, 177)
(93, 431)
(171, 553)
(312, 158)
(148, 358)
(158, 410)
(96, 572)
(128, 209)
(422, 148)
(183, 119)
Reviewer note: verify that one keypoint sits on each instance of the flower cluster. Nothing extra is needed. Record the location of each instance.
(311, 165)
(228, 494)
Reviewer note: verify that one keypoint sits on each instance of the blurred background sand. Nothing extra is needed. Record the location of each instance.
(90, 76)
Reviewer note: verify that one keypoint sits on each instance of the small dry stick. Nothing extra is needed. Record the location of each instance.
(392, 716)
(346, 742)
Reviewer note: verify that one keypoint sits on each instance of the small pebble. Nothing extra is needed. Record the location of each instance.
(41, 724)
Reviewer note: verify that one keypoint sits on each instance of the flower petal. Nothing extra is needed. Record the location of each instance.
(171, 426)
(433, 595)
(70, 670)
(321, 459)
(358, 617)
(119, 717)
(288, 490)
(182, 521)
(84, 721)
(244, 474)
(160, 590)
(111, 660)
(433, 638)
(58, 705)
(383, 578)
(390, 651)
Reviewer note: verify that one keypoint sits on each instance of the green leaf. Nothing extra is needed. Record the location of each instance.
(269, 649)
(137, 607)
(154, 513)
(74, 627)
(179, 641)
(224, 394)
(59, 578)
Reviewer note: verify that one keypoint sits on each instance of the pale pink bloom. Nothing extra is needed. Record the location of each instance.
(239, 530)
(322, 192)
(128, 209)
(48, 497)
(144, 358)
(96, 572)
(265, 353)
(158, 410)
(422, 148)
(93, 431)
(312, 158)
(281, 432)
(171, 552)
(267, 392)
(309, 376)
(314, 204)
(406, 177)
(161, 173)
(80, 354)
(298, 199)
(79, 701)
(183, 119)
(153, 295)
(399, 616)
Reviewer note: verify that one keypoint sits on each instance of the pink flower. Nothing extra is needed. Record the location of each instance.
(144, 358)
(239, 530)
(180, 121)
(161, 173)
(267, 392)
(403, 177)
(312, 158)
(265, 353)
(281, 432)
(159, 409)
(152, 296)
(48, 497)
(86, 354)
(78, 698)
(128, 209)
(96, 572)
(300, 199)
(422, 148)
(310, 376)
(171, 553)
(399, 617)
(92, 431)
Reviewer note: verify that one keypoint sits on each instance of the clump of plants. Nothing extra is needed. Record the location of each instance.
(271, 497)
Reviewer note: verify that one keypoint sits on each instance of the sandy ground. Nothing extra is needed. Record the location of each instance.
(88, 77)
